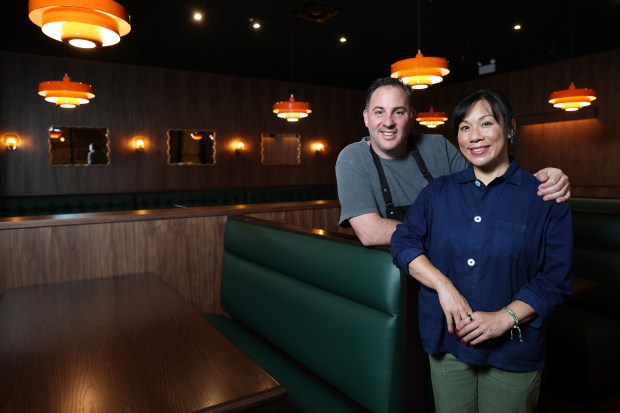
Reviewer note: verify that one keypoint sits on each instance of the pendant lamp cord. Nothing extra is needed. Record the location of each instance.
(66, 60)
(290, 30)
(572, 40)
(419, 30)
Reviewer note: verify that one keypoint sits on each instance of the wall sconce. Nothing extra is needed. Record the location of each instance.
(11, 141)
(139, 143)
(318, 147)
(238, 145)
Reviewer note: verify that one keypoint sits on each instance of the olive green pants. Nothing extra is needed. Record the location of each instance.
(461, 388)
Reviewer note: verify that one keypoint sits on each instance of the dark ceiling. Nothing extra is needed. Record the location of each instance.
(464, 32)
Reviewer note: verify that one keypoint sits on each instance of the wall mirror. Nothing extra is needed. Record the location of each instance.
(280, 148)
(76, 145)
(191, 147)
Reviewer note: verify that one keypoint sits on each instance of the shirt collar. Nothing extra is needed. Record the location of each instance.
(514, 174)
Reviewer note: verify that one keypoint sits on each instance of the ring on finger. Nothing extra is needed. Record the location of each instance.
(470, 317)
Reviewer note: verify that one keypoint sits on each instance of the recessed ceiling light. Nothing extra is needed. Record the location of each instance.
(255, 23)
(343, 39)
(197, 16)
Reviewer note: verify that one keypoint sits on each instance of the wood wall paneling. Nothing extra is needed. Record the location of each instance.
(133, 100)
(588, 150)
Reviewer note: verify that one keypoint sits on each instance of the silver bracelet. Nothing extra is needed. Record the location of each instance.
(516, 322)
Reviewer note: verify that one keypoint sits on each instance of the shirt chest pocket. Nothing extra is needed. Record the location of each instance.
(515, 242)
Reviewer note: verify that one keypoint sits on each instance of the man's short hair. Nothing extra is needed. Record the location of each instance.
(389, 81)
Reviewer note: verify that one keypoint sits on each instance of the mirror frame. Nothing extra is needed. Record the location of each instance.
(187, 139)
(82, 148)
(275, 149)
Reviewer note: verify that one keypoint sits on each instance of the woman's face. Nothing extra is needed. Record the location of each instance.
(483, 142)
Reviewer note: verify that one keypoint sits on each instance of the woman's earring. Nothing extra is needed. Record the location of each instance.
(512, 138)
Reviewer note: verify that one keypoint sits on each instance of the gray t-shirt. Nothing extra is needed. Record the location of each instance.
(359, 188)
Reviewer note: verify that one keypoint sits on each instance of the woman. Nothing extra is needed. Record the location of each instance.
(493, 260)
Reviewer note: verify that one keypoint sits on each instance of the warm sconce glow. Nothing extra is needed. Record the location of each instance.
(66, 93)
(238, 145)
(139, 143)
(318, 147)
(11, 141)
(196, 136)
(292, 110)
(81, 23)
(572, 99)
(431, 119)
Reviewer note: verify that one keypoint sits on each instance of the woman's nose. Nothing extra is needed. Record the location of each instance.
(475, 135)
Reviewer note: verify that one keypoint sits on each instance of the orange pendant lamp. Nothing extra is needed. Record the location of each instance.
(292, 110)
(420, 72)
(81, 23)
(572, 99)
(431, 119)
(66, 93)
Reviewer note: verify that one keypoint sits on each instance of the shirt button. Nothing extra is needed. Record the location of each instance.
(477, 218)
(471, 262)
(477, 183)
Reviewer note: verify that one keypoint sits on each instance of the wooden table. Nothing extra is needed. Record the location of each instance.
(123, 344)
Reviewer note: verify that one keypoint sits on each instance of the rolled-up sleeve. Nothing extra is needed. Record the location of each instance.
(552, 282)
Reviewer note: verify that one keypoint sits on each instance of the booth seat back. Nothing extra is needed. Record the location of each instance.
(336, 308)
(64, 204)
(26, 205)
(186, 199)
(596, 228)
(261, 195)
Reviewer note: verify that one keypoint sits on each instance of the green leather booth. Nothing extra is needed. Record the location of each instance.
(28, 205)
(324, 318)
(583, 357)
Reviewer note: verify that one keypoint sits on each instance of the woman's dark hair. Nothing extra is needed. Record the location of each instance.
(500, 107)
(389, 81)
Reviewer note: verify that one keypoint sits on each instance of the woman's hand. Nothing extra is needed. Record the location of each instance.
(455, 307)
(485, 326)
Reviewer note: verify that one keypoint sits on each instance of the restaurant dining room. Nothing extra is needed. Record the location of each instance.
(171, 228)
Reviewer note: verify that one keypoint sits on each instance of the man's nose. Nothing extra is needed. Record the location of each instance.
(389, 120)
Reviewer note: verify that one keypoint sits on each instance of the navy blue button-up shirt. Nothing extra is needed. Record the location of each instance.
(496, 243)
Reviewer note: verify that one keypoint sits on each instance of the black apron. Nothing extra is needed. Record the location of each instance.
(397, 212)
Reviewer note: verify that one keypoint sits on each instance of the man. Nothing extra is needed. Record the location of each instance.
(95, 155)
(388, 115)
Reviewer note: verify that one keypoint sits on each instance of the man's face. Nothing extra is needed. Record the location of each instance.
(388, 119)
